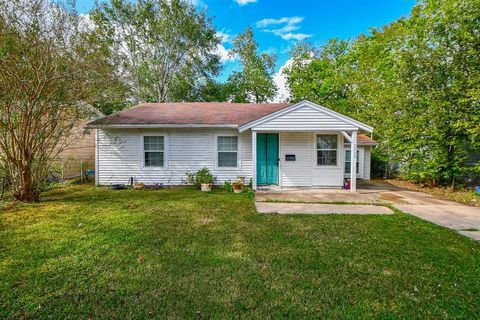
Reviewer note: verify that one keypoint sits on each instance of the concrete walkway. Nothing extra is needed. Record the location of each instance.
(462, 218)
(313, 208)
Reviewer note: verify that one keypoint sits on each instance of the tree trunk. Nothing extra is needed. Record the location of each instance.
(25, 190)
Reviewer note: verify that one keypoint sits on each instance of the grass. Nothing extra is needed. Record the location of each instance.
(86, 252)
(468, 197)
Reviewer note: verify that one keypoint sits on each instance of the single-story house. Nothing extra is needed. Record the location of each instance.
(289, 145)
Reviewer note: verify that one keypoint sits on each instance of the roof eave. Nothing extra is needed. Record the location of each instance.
(161, 126)
(273, 115)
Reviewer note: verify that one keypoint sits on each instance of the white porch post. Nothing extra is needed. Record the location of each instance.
(254, 160)
(353, 162)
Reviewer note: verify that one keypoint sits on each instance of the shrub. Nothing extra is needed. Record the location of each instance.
(199, 177)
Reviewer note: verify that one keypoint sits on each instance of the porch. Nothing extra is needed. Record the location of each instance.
(305, 145)
(283, 160)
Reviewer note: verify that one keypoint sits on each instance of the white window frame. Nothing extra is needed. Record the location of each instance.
(238, 151)
(360, 159)
(165, 151)
(339, 150)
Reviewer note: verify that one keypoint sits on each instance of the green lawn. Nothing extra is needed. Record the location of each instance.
(90, 252)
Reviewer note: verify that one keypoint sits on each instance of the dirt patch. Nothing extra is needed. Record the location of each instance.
(468, 197)
(392, 197)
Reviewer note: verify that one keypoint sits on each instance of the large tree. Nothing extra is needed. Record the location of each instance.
(159, 44)
(254, 83)
(417, 81)
(319, 74)
(43, 77)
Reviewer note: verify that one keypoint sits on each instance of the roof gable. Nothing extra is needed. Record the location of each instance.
(305, 116)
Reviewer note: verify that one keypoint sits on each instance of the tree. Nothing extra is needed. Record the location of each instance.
(207, 90)
(255, 81)
(109, 92)
(159, 44)
(319, 75)
(43, 78)
(417, 81)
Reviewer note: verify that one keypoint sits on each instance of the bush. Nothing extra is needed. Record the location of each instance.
(199, 177)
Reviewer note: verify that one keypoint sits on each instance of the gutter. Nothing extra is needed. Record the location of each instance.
(161, 126)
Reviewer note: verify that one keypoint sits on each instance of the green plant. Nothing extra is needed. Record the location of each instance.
(201, 176)
(227, 186)
(249, 193)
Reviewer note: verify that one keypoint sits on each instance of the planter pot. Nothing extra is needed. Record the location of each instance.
(139, 186)
(237, 187)
(206, 187)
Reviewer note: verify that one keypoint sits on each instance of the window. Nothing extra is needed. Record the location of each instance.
(327, 150)
(348, 161)
(227, 152)
(154, 151)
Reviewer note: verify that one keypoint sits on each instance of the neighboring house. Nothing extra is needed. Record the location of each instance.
(80, 153)
(289, 145)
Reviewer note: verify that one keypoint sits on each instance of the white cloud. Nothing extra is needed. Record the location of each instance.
(283, 93)
(224, 53)
(284, 29)
(244, 2)
(221, 50)
(224, 37)
(288, 20)
(295, 36)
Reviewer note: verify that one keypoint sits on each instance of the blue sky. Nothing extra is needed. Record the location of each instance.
(278, 24)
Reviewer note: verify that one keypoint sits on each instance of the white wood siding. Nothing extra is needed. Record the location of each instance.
(120, 156)
(367, 162)
(305, 118)
(296, 173)
(304, 171)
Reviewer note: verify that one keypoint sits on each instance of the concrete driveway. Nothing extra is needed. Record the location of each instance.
(462, 218)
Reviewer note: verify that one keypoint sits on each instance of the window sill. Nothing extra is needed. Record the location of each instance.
(154, 168)
(326, 167)
(227, 168)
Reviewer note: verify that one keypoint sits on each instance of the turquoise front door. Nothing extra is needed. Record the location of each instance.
(267, 158)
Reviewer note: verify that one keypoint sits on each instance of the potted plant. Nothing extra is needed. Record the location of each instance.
(238, 186)
(202, 178)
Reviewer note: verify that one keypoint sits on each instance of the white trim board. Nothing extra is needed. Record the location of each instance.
(301, 104)
(163, 126)
(239, 151)
(165, 151)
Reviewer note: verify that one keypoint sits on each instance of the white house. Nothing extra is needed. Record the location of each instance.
(289, 145)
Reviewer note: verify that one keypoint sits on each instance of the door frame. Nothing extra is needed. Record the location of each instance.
(279, 177)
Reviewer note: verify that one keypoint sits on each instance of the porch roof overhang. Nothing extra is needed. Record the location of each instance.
(345, 123)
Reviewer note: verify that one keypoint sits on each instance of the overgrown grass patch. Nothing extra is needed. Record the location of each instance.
(465, 196)
(179, 253)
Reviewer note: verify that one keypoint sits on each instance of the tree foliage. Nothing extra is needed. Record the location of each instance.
(43, 77)
(417, 81)
(160, 45)
(254, 83)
